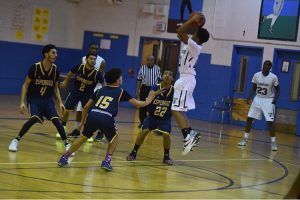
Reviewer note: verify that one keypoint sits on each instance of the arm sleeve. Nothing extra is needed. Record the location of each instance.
(31, 72)
(125, 96)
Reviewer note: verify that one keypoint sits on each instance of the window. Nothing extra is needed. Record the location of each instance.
(242, 75)
(296, 82)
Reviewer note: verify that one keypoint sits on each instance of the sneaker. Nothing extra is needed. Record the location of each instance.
(67, 147)
(63, 161)
(106, 165)
(131, 157)
(99, 137)
(168, 161)
(74, 134)
(270, 30)
(91, 139)
(13, 146)
(190, 141)
(273, 146)
(58, 135)
(243, 142)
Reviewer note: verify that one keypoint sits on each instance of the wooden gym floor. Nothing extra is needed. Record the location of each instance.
(212, 170)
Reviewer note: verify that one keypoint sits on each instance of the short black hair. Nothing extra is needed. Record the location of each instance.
(268, 62)
(112, 75)
(203, 35)
(90, 54)
(47, 48)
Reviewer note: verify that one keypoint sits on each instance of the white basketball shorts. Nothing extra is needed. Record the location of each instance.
(262, 105)
(183, 99)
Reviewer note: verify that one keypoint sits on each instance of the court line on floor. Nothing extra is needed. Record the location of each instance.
(120, 161)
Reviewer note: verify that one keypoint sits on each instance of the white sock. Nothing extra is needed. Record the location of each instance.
(273, 139)
(246, 135)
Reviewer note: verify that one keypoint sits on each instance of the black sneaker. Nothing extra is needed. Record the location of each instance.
(99, 137)
(74, 134)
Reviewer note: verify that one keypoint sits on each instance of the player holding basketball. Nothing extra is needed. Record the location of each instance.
(263, 83)
(184, 87)
(85, 79)
(39, 88)
(159, 118)
(99, 114)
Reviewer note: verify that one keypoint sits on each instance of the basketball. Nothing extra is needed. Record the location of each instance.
(200, 18)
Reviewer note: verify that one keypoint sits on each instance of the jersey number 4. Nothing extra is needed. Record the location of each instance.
(43, 90)
(103, 102)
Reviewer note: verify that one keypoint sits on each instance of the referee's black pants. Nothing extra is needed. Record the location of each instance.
(144, 91)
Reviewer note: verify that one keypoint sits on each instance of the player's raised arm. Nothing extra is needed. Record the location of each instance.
(195, 20)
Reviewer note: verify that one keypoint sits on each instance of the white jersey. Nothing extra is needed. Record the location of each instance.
(188, 57)
(99, 60)
(265, 84)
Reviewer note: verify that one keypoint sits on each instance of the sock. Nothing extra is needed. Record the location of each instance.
(27, 126)
(18, 138)
(108, 158)
(135, 149)
(166, 153)
(246, 135)
(64, 123)
(273, 139)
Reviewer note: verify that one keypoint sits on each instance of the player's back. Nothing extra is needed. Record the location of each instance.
(107, 99)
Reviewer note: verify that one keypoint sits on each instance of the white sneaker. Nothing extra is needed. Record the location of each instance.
(190, 140)
(67, 147)
(273, 146)
(57, 134)
(13, 146)
(243, 142)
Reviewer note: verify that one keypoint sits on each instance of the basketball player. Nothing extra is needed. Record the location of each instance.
(85, 79)
(266, 86)
(102, 108)
(277, 7)
(184, 87)
(159, 117)
(100, 66)
(39, 87)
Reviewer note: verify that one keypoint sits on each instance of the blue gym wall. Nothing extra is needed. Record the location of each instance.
(213, 81)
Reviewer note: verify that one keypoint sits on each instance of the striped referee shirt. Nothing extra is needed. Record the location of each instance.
(149, 75)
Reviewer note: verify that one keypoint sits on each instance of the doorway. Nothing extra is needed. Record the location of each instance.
(165, 52)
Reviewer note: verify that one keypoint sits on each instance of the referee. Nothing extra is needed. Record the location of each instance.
(148, 75)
